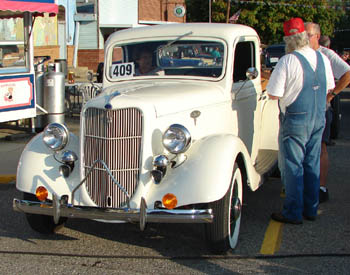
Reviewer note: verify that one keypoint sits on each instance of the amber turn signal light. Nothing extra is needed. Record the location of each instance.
(169, 201)
(41, 193)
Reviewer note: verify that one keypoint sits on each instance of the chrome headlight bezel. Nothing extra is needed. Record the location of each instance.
(176, 139)
(55, 136)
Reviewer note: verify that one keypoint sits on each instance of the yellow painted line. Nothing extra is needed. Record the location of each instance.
(273, 238)
(7, 178)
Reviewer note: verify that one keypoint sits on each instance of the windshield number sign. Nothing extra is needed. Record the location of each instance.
(122, 70)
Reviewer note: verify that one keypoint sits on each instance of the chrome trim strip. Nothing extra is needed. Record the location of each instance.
(122, 214)
(109, 173)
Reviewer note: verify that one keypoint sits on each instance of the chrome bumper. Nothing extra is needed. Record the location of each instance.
(142, 215)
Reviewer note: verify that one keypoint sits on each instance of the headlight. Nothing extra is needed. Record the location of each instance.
(176, 139)
(55, 136)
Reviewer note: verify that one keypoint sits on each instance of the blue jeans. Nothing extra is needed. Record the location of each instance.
(326, 137)
(299, 162)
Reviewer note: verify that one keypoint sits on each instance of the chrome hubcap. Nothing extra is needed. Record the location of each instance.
(237, 209)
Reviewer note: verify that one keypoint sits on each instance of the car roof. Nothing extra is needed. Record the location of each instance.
(228, 32)
(276, 46)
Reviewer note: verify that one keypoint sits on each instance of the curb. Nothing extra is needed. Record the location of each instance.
(7, 179)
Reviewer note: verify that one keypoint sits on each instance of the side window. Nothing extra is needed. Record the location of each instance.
(244, 59)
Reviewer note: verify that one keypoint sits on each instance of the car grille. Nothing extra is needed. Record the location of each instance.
(114, 136)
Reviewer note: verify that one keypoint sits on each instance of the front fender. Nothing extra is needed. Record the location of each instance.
(37, 167)
(206, 174)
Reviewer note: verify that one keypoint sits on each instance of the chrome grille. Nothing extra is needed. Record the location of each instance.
(114, 136)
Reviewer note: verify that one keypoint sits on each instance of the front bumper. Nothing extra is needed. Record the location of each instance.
(143, 215)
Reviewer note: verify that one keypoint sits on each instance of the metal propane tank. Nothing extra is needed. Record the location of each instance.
(54, 94)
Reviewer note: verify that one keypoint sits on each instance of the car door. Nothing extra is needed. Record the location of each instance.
(247, 96)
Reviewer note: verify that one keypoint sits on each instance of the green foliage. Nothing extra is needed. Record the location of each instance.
(267, 17)
(341, 35)
(197, 10)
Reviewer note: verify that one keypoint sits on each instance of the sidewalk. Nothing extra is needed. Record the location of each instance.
(12, 143)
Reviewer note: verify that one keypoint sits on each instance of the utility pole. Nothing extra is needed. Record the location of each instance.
(228, 10)
(209, 11)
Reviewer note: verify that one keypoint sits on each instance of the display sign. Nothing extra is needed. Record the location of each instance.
(122, 70)
(16, 95)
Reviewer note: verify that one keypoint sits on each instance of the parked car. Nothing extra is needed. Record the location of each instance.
(273, 53)
(173, 146)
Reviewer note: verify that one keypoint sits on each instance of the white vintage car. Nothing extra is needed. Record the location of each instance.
(172, 145)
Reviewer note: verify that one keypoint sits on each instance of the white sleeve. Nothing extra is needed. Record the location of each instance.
(277, 81)
(329, 73)
(339, 66)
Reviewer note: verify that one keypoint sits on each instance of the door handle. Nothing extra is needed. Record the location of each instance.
(263, 96)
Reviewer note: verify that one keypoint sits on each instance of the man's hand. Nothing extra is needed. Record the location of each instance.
(329, 97)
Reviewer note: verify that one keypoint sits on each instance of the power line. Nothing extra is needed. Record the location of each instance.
(334, 6)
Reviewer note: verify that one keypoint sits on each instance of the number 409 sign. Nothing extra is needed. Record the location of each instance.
(122, 70)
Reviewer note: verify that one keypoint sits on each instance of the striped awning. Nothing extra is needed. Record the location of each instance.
(15, 8)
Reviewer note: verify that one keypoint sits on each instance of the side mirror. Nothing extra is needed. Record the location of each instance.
(252, 73)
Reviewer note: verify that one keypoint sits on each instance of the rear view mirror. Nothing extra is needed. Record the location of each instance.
(90, 76)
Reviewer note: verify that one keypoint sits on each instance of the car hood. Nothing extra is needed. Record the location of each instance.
(165, 97)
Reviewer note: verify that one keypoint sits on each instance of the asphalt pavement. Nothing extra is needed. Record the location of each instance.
(91, 247)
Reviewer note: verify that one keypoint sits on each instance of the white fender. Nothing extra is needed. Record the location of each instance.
(37, 167)
(206, 174)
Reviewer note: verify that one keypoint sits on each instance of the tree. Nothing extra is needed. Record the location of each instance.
(341, 36)
(197, 10)
(267, 17)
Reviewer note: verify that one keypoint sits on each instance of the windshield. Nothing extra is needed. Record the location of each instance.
(167, 58)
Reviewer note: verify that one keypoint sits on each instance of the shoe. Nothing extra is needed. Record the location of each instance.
(283, 192)
(309, 218)
(323, 196)
(278, 217)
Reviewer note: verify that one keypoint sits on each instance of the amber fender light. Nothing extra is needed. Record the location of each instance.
(41, 193)
(169, 201)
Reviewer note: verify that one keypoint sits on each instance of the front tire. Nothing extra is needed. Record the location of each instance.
(223, 233)
(42, 223)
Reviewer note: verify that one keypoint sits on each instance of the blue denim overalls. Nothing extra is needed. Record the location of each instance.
(301, 129)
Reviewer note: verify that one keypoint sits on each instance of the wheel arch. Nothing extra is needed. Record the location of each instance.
(205, 176)
(38, 167)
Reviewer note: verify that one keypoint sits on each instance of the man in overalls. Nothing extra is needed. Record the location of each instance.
(300, 82)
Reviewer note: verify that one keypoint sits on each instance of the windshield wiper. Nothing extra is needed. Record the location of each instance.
(173, 41)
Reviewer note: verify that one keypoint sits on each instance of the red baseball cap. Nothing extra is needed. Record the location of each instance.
(293, 26)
